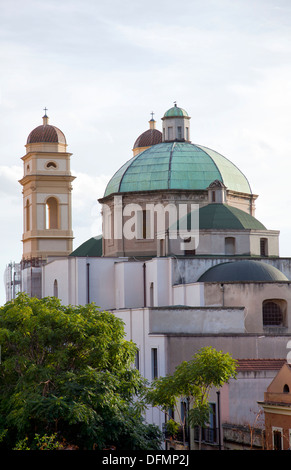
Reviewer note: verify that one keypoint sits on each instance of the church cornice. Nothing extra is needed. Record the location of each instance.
(46, 154)
(45, 177)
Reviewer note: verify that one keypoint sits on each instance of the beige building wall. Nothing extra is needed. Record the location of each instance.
(214, 242)
(251, 295)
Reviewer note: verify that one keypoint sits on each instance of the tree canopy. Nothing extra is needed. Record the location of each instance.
(68, 370)
(193, 380)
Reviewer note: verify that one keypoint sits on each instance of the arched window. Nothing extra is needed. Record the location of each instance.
(56, 290)
(286, 388)
(52, 213)
(273, 312)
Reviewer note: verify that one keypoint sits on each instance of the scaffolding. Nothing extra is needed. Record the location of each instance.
(31, 275)
(12, 280)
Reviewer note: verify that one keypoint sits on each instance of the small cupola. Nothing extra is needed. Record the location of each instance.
(176, 125)
(150, 137)
(46, 133)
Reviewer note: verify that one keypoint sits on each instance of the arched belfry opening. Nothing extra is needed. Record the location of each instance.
(52, 213)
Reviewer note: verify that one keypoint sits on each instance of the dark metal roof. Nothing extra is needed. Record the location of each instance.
(243, 271)
(223, 216)
(91, 247)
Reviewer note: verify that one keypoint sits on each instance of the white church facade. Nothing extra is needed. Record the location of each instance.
(220, 283)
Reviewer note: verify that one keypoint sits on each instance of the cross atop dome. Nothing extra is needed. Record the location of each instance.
(45, 117)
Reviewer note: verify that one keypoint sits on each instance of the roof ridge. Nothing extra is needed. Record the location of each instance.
(170, 164)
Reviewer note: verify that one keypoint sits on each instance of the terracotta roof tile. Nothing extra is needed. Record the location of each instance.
(259, 364)
(46, 133)
(148, 138)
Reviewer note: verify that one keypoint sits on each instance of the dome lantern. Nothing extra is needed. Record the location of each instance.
(176, 125)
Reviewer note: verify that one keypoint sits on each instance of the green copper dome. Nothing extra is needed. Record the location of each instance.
(175, 112)
(243, 271)
(223, 216)
(91, 247)
(176, 166)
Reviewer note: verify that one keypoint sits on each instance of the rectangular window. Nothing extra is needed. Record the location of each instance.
(144, 225)
(154, 363)
(229, 245)
(263, 246)
(179, 132)
(277, 439)
(212, 423)
(170, 133)
(137, 360)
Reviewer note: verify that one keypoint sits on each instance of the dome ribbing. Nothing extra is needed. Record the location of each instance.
(148, 138)
(46, 133)
(177, 166)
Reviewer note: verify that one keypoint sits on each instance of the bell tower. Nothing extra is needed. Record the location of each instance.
(47, 186)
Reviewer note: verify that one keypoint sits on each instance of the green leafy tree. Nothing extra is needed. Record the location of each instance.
(191, 382)
(67, 371)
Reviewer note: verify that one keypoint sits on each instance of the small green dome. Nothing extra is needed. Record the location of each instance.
(91, 247)
(176, 166)
(223, 216)
(243, 271)
(175, 112)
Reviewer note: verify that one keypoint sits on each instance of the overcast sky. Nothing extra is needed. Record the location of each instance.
(101, 68)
